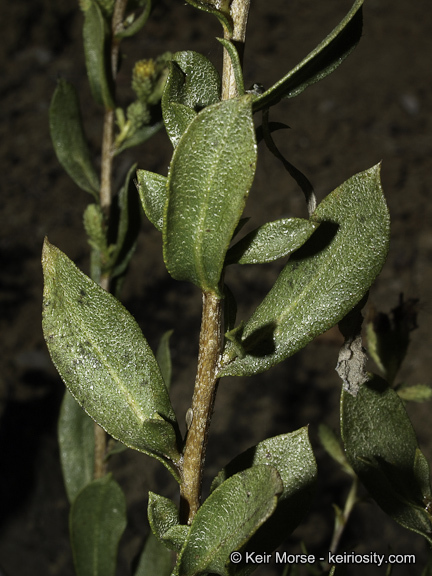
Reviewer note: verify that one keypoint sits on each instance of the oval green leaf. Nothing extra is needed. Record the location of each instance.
(153, 191)
(210, 175)
(105, 361)
(382, 448)
(164, 522)
(97, 521)
(322, 281)
(76, 443)
(192, 84)
(96, 35)
(227, 519)
(323, 60)
(271, 241)
(292, 456)
(68, 138)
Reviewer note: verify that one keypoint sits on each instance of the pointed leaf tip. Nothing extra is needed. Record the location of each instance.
(105, 361)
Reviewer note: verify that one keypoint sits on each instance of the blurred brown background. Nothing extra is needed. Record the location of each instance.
(376, 106)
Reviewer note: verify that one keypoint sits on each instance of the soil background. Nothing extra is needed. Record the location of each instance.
(376, 106)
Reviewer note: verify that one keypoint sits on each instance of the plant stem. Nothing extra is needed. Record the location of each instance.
(202, 405)
(105, 195)
(210, 343)
(239, 12)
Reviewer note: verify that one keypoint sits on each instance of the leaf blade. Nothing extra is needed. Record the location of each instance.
(207, 191)
(228, 518)
(68, 138)
(319, 63)
(76, 442)
(322, 281)
(382, 448)
(116, 379)
(97, 521)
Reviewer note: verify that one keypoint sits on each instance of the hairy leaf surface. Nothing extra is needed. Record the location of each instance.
(227, 519)
(322, 281)
(192, 84)
(271, 241)
(97, 521)
(382, 448)
(210, 175)
(105, 361)
(95, 34)
(153, 192)
(292, 456)
(68, 138)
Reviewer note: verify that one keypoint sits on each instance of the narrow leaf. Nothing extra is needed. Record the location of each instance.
(227, 519)
(97, 521)
(95, 34)
(416, 393)
(68, 138)
(323, 60)
(76, 441)
(105, 361)
(382, 448)
(139, 137)
(192, 84)
(322, 281)
(125, 225)
(155, 559)
(153, 191)
(210, 175)
(128, 30)
(236, 64)
(271, 241)
(292, 456)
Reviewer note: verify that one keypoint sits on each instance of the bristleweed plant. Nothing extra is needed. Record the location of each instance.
(111, 373)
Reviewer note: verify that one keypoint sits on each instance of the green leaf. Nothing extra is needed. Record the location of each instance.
(153, 191)
(227, 519)
(323, 60)
(97, 521)
(155, 559)
(163, 357)
(382, 448)
(105, 361)
(127, 217)
(139, 137)
(76, 442)
(271, 241)
(135, 25)
(236, 64)
(292, 456)
(96, 36)
(68, 138)
(322, 281)
(210, 175)
(416, 393)
(164, 521)
(193, 83)
(219, 8)
(332, 445)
